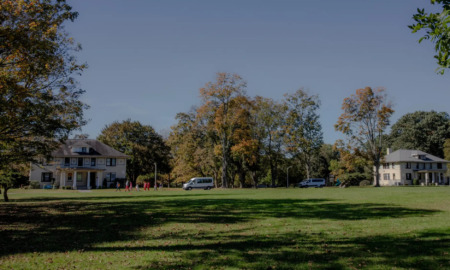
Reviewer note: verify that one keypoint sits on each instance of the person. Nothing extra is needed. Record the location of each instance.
(118, 186)
(127, 183)
(131, 186)
(137, 187)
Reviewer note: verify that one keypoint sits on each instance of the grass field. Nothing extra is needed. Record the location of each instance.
(328, 228)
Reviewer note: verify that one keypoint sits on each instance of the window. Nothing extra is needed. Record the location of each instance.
(83, 150)
(79, 177)
(80, 161)
(408, 165)
(417, 165)
(393, 176)
(386, 176)
(430, 165)
(110, 162)
(111, 177)
(439, 165)
(392, 166)
(46, 177)
(386, 166)
(408, 176)
(69, 177)
(67, 162)
(93, 162)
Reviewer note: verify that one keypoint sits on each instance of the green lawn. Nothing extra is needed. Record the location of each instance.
(328, 228)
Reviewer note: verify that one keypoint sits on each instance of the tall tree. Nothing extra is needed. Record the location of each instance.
(39, 97)
(302, 128)
(437, 30)
(365, 118)
(219, 97)
(425, 131)
(192, 148)
(269, 122)
(141, 143)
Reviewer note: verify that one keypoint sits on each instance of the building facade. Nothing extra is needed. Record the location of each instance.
(81, 164)
(402, 167)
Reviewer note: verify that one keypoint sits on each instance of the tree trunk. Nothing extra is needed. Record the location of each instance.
(242, 178)
(5, 194)
(224, 164)
(377, 173)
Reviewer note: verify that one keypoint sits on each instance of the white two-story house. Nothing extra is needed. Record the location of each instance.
(401, 167)
(81, 164)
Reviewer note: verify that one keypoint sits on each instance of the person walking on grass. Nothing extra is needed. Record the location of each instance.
(118, 186)
(137, 186)
(127, 183)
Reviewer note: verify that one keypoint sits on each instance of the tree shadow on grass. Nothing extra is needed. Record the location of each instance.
(61, 226)
(302, 251)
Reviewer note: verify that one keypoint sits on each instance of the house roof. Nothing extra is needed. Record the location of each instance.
(96, 148)
(403, 155)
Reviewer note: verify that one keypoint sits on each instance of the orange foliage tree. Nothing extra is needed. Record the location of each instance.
(365, 118)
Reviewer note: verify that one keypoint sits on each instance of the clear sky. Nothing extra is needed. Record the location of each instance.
(148, 59)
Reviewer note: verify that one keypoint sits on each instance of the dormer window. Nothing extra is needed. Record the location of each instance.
(83, 149)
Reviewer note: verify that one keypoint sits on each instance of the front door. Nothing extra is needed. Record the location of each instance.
(93, 178)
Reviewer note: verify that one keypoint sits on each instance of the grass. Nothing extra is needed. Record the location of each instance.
(329, 228)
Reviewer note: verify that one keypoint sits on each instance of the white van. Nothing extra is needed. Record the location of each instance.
(199, 182)
(312, 182)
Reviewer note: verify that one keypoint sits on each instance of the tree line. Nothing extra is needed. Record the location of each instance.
(238, 139)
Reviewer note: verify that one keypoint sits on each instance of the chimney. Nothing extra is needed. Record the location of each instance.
(388, 151)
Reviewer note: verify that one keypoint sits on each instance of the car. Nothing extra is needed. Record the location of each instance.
(200, 183)
(312, 182)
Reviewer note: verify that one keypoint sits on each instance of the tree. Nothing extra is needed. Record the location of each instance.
(219, 97)
(303, 132)
(365, 118)
(437, 30)
(141, 143)
(39, 97)
(269, 122)
(425, 131)
(192, 147)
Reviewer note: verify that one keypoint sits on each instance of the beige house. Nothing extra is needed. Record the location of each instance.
(403, 166)
(81, 164)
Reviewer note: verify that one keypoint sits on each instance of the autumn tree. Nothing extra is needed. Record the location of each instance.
(365, 118)
(303, 132)
(219, 98)
(141, 143)
(192, 147)
(425, 131)
(39, 97)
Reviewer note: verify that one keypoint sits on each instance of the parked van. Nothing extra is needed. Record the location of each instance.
(312, 182)
(199, 182)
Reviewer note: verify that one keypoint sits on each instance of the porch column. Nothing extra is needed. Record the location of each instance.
(63, 180)
(75, 180)
(89, 180)
(426, 179)
(99, 179)
(433, 178)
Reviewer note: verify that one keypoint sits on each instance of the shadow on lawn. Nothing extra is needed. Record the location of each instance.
(66, 225)
(427, 250)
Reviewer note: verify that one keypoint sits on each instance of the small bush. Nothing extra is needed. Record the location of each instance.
(364, 183)
(67, 187)
(416, 182)
(34, 185)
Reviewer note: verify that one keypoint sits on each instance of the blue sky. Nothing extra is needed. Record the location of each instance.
(148, 59)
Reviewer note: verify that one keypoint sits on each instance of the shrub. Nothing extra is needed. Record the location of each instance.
(34, 185)
(67, 187)
(364, 183)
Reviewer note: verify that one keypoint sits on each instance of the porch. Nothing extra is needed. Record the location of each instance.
(79, 178)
